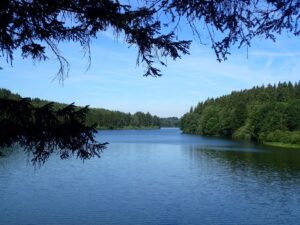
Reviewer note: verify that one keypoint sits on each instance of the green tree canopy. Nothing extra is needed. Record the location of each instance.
(263, 114)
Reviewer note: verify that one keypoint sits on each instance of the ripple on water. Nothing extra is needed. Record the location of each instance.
(159, 177)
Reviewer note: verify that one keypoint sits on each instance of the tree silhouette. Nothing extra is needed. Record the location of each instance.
(238, 21)
(42, 131)
(33, 25)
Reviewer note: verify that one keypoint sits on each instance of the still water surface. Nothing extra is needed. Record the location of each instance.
(159, 177)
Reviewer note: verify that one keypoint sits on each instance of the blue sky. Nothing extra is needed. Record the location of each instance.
(115, 82)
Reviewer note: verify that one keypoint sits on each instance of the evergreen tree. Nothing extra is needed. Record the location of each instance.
(260, 114)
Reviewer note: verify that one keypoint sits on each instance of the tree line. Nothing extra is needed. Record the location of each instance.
(107, 119)
(266, 114)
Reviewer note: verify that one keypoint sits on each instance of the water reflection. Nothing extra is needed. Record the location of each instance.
(155, 178)
(260, 161)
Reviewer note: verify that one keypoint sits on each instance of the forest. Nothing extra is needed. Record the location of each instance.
(106, 119)
(266, 114)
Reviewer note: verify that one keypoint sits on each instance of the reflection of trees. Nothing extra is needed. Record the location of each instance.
(268, 161)
(42, 131)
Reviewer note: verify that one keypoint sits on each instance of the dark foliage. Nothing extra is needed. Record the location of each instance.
(106, 119)
(42, 131)
(264, 114)
(33, 25)
(237, 21)
(169, 122)
(102, 118)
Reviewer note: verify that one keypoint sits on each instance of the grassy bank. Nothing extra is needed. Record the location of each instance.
(282, 145)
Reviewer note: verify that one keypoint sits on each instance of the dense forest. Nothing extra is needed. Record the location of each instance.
(267, 114)
(107, 119)
(170, 122)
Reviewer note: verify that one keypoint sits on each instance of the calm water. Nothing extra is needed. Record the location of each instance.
(159, 177)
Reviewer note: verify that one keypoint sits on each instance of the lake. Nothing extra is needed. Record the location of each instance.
(159, 177)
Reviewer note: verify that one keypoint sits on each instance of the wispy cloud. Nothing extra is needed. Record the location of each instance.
(273, 54)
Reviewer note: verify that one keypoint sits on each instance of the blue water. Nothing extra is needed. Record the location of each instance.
(160, 177)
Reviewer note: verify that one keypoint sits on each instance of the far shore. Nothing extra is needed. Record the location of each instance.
(282, 145)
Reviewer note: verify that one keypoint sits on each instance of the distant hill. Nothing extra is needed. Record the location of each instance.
(268, 114)
(108, 119)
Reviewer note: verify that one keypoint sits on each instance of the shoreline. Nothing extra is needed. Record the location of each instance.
(271, 144)
(282, 145)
